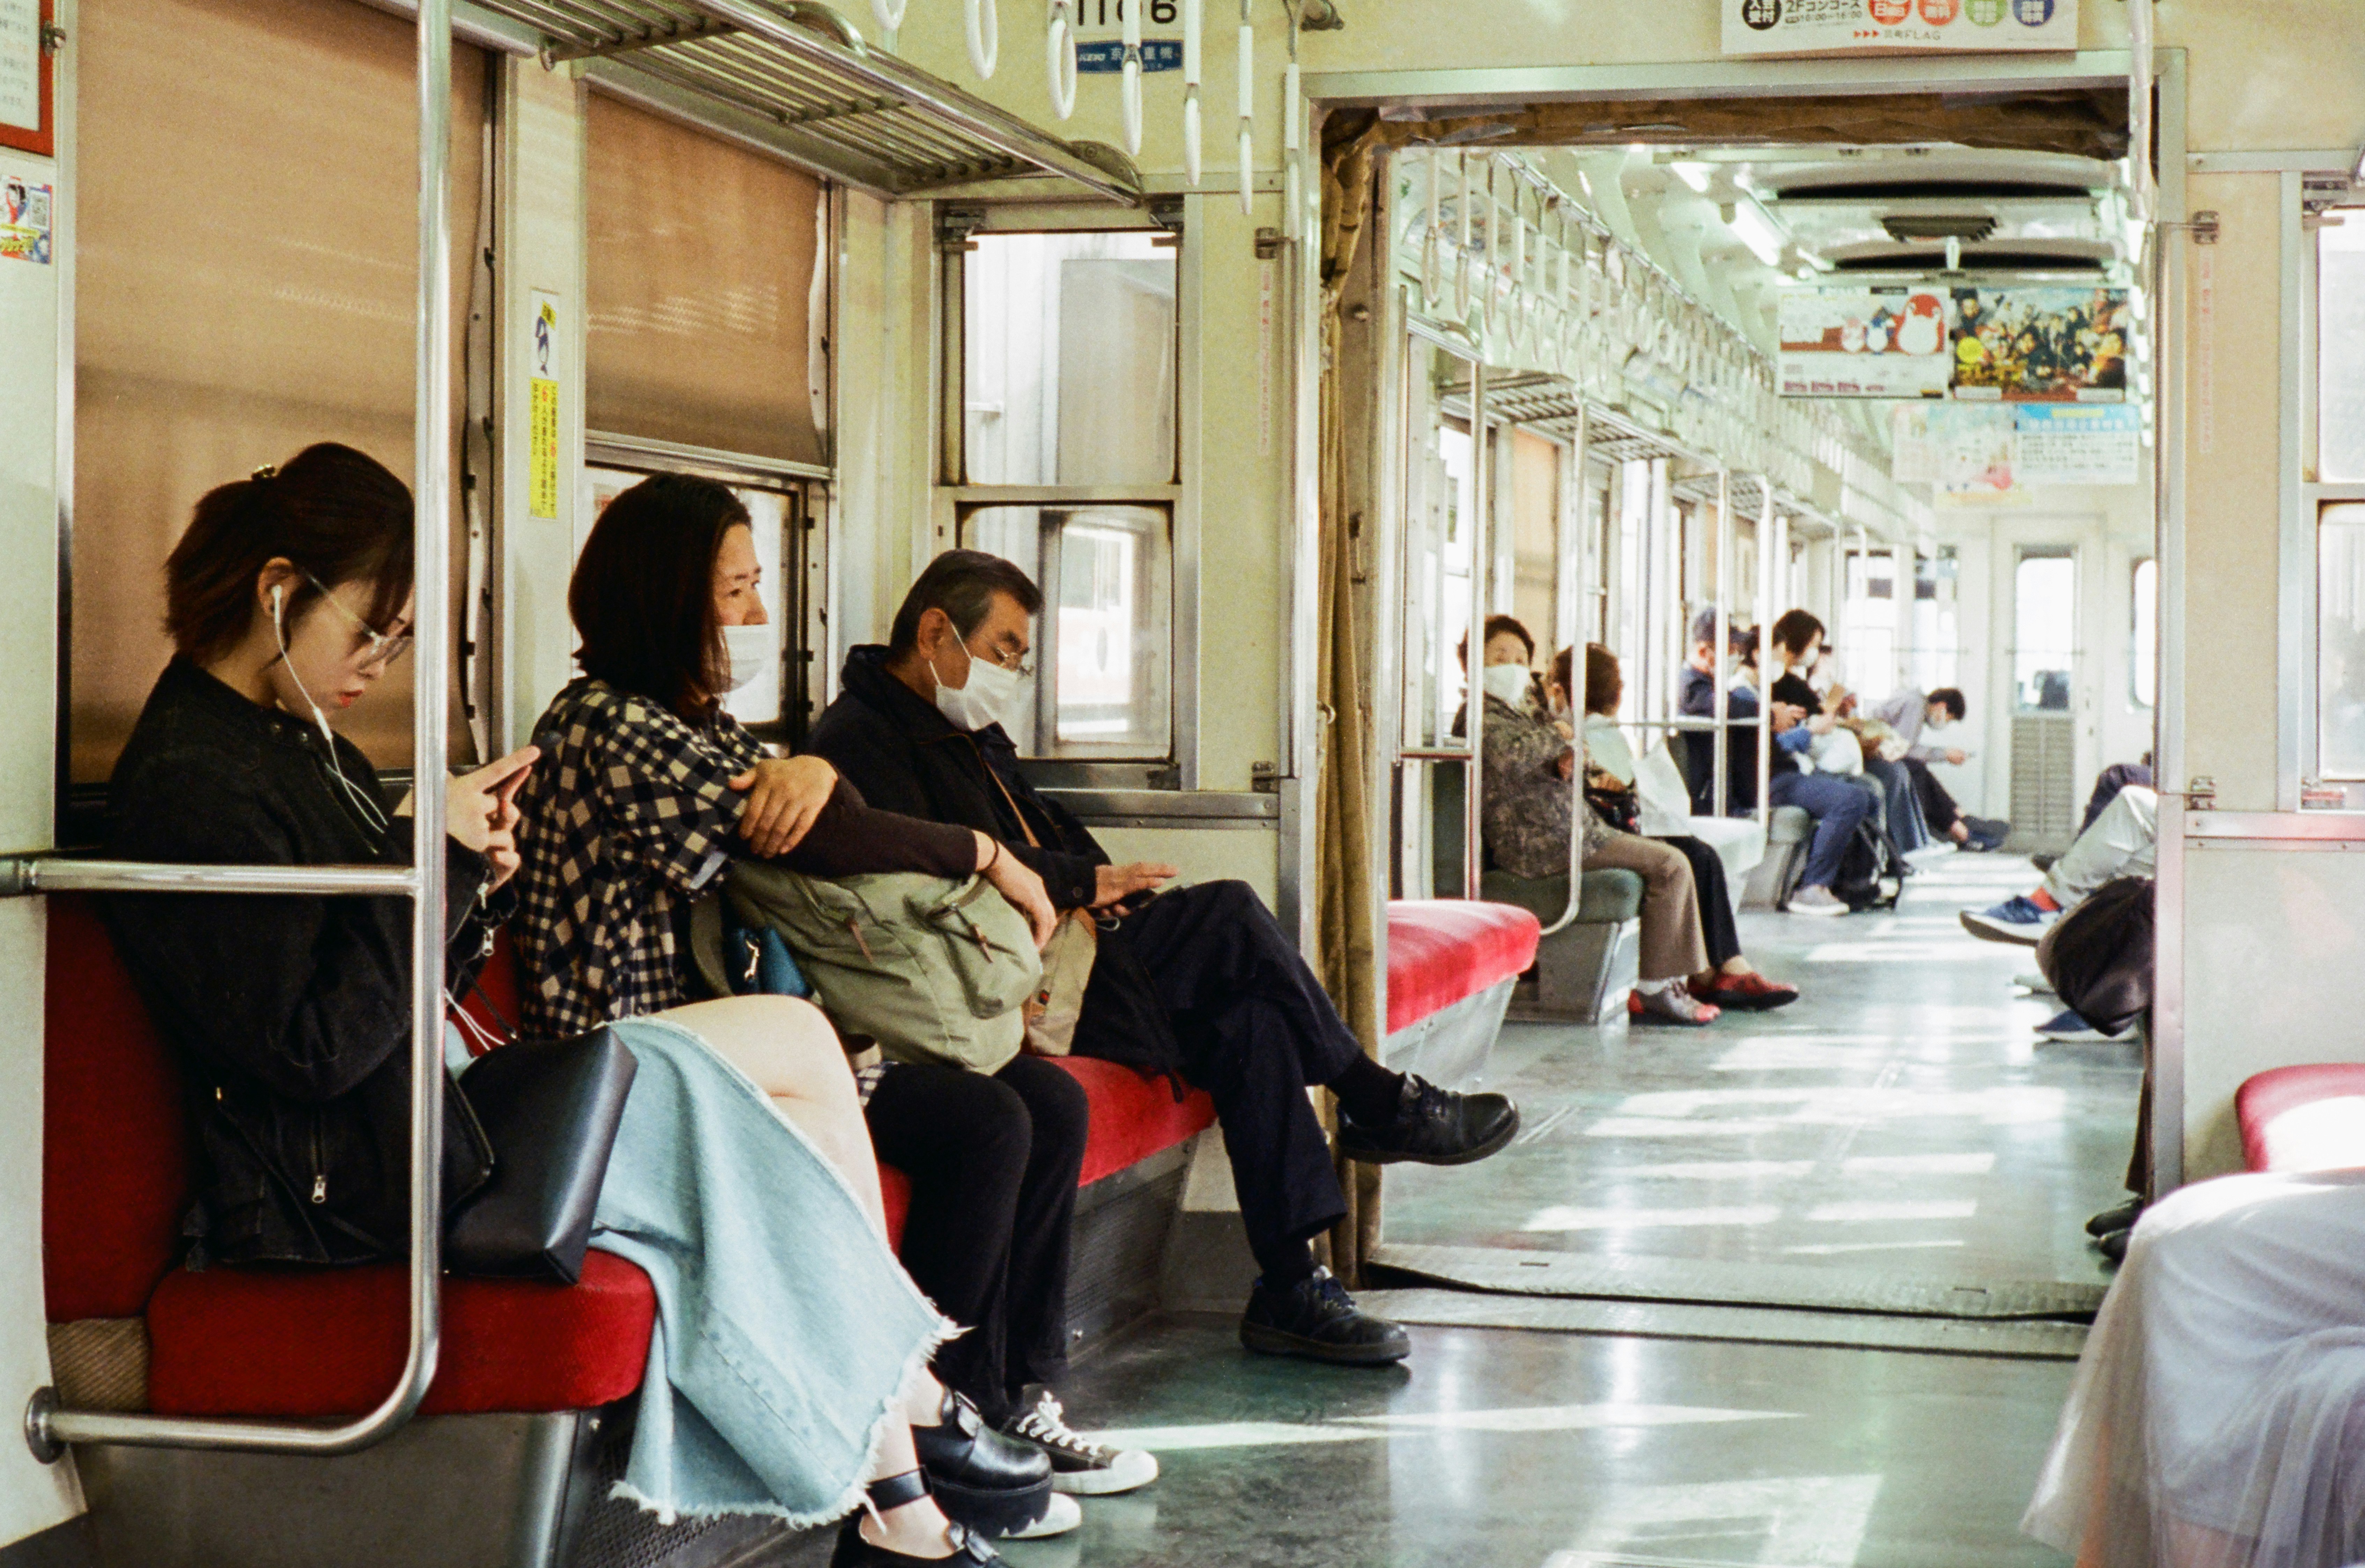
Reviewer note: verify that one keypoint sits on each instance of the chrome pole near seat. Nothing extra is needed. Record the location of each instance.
(1765, 651)
(48, 1428)
(1575, 591)
(1473, 688)
(1722, 742)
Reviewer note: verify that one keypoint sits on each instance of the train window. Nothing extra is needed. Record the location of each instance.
(1869, 622)
(2143, 658)
(1938, 627)
(2340, 641)
(1106, 635)
(2340, 346)
(2045, 617)
(704, 328)
(1069, 354)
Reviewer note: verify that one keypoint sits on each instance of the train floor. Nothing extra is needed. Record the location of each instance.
(1795, 1199)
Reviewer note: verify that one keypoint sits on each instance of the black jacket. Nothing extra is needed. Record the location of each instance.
(905, 756)
(291, 1015)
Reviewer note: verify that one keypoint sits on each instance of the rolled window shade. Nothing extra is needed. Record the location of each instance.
(701, 269)
(245, 268)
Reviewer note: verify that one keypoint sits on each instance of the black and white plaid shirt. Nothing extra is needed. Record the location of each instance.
(629, 812)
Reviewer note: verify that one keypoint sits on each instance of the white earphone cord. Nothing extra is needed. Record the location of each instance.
(373, 814)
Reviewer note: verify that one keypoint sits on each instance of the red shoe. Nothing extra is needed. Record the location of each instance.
(1751, 993)
(1671, 1005)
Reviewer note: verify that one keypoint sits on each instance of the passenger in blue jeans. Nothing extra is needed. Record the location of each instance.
(1836, 805)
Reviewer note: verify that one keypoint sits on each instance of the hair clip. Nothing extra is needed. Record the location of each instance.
(268, 471)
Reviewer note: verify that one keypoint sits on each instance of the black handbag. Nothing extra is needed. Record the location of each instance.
(550, 1110)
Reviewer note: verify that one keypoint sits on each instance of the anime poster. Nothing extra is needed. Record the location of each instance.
(1865, 342)
(1898, 26)
(2042, 345)
(24, 220)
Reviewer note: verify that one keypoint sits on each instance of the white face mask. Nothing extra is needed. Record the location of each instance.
(1505, 683)
(747, 649)
(990, 691)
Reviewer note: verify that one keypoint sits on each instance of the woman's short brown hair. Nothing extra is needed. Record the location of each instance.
(642, 594)
(1605, 681)
(334, 512)
(1794, 629)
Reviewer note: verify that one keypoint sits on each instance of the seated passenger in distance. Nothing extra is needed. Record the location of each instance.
(291, 590)
(1199, 983)
(646, 788)
(1836, 805)
(2217, 1417)
(1611, 775)
(1906, 712)
(2121, 841)
(1806, 676)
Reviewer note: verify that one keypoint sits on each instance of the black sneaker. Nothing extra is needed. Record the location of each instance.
(1434, 1125)
(1316, 1319)
(2123, 1217)
(994, 1485)
(1079, 1468)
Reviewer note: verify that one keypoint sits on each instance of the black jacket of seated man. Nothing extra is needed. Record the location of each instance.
(1198, 982)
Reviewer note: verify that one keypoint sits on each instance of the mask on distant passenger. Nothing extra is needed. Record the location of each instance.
(990, 691)
(1505, 683)
(747, 649)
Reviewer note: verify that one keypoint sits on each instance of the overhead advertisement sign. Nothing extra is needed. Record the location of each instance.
(1865, 342)
(1992, 455)
(2042, 345)
(1898, 26)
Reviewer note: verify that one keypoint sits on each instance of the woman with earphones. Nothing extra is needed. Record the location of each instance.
(648, 788)
(788, 1360)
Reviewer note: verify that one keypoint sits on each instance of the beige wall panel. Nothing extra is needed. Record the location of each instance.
(1205, 854)
(2272, 924)
(701, 273)
(246, 284)
(2231, 521)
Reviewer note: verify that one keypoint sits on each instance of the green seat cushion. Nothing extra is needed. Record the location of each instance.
(1605, 896)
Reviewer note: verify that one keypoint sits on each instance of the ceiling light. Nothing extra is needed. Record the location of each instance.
(1696, 175)
(1757, 230)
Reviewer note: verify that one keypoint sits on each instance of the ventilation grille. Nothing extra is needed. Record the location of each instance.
(1964, 226)
(2044, 781)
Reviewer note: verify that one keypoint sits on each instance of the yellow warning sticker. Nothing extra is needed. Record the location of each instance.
(541, 481)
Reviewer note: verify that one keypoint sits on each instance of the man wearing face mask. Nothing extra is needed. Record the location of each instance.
(1912, 715)
(1199, 983)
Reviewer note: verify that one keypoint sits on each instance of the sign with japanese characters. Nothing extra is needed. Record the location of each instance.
(1865, 342)
(1898, 26)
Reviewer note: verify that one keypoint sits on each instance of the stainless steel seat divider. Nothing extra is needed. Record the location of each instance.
(1473, 688)
(1576, 582)
(48, 1428)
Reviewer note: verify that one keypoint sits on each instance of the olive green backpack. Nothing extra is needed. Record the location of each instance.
(935, 969)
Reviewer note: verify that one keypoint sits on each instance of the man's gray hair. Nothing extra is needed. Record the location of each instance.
(962, 584)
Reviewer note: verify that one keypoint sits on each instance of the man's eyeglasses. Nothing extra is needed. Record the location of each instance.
(371, 646)
(1014, 663)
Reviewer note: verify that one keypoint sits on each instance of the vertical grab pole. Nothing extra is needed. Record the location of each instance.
(1473, 688)
(1722, 742)
(431, 493)
(1576, 582)
(1764, 650)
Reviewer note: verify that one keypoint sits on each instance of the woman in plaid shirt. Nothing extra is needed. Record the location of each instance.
(647, 790)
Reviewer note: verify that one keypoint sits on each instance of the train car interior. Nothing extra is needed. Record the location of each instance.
(1641, 866)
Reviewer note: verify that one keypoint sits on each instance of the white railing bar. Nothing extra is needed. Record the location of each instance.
(1722, 745)
(48, 1428)
(44, 875)
(1573, 553)
(1474, 699)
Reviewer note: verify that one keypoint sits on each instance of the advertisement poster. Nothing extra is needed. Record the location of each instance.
(542, 405)
(2073, 444)
(1898, 26)
(2042, 345)
(24, 220)
(1865, 342)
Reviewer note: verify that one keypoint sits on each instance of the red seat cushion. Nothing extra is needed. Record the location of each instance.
(320, 1342)
(895, 1188)
(2303, 1118)
(1441, 950)
(115, 1151)
(1133, 1117)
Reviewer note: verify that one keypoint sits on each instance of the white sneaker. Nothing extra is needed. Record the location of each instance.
(1064, 1515)
(1820, 901)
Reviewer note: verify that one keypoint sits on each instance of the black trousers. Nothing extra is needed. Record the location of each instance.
(993, 1164)
(1938, 808)
(1255, 1029)
(1715, 904)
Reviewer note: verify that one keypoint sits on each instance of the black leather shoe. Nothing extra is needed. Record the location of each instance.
(2123, 1217)
(1317, 1320)
(995, 1484)
(2113, 1244)
(1434, 1125)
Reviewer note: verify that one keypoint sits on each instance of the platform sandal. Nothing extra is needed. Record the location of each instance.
(969, 1549)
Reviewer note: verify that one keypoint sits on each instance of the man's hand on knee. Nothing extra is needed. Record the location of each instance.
(1114, 884)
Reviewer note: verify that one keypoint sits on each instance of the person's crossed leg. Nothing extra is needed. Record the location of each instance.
(1838, 808)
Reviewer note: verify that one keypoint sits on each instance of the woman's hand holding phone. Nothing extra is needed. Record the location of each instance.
(480, 810)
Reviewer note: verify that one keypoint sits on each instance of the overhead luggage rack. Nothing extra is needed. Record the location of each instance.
(852, 112)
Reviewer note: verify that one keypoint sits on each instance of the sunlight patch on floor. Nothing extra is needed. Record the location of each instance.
(1798, 1521)
(1372, 1428)
(1567, 1216)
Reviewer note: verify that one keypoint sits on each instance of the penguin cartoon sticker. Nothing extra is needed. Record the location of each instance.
(1865, 342)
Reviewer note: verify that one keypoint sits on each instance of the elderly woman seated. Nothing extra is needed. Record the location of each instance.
(1529, 816)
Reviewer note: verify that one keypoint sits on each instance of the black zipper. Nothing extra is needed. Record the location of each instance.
(319, 1164)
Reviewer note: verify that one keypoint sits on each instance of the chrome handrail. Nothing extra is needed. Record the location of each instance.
(1473, 688)
(1573, 595)
(57, 874)
(1765, 651)
(49, 1428)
